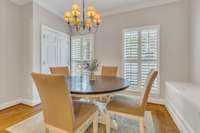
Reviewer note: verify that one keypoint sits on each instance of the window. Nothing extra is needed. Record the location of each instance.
(141, 55)
(82, 48)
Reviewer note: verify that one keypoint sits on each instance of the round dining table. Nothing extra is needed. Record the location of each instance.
(93, 90)
(102, 85)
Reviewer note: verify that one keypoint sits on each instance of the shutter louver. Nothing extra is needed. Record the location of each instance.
(131, 73)
(145, 69)
(141, 55)
(131, 39)
(87, 53)
(76, 55)
(149, 42)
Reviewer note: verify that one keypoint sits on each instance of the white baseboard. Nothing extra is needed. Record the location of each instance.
(18, 101)
(156, 100)
(36, 101)
(178, 118)
(30, 102)
(9, 104)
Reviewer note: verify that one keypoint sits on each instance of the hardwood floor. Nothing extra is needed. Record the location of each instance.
(16, 114)
(161, 118)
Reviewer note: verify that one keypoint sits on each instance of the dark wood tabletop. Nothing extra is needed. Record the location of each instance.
(102, 85)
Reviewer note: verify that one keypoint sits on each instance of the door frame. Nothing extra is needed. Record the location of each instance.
(42, 33)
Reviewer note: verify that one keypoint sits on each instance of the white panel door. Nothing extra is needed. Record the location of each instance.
(55, 49)
(63, 50)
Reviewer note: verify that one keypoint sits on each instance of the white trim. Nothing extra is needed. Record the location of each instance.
(43, 29)
(142, 28)
(30, 102)
(133, 7)
(21, 2)
(9, 104)
(154, 100)
(48, 8)
(142, 5)
(26, 102)
(19, 101)
(36, 101)
(181, 123)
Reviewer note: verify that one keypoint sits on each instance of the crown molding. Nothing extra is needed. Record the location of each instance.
(50, 9)
(21, 2)
(142, 5)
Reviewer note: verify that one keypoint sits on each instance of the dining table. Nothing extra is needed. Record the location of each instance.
(94, 90)
(102, 85)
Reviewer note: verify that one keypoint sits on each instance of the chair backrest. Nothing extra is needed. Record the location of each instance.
(56, 101)
(147, 88)
(110, 71)
(60, 70)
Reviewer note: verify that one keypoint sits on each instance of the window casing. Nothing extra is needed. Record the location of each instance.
(140, 55)
(82, 49)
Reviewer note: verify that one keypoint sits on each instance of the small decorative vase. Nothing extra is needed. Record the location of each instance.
(92, 76)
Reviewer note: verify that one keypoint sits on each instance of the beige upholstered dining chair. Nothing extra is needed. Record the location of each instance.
(61, 114)
(60, 70)
(131, 107)
(110, 71)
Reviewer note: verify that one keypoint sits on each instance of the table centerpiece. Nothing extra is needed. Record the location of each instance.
(91, 67)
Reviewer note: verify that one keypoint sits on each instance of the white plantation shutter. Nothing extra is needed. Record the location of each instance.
(75, 54)
(131, 50)
(82, 48)
(141, 55)
(87, 48)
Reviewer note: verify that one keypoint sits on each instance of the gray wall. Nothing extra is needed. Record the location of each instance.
(173, 20)
(11, 45)
(43, 16)
(27, 17)
(195, 40)
(20, 49)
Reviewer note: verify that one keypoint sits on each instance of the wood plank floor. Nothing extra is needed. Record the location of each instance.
(161, 118)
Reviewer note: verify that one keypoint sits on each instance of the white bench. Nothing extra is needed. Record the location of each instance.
(183, 102)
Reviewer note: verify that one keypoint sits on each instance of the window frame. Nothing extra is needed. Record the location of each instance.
(138, 89)
(92, 36)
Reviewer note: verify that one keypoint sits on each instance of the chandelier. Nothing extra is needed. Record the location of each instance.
(87, 20)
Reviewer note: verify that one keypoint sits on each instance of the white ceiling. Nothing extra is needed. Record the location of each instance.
(105, 7)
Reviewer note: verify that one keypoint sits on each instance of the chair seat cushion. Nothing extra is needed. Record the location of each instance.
(126, 105)
(83, 111)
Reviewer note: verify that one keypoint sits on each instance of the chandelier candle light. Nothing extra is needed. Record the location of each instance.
(90, 19)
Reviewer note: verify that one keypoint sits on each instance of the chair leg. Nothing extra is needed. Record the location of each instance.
(95, 124)
(142, 128)
(46, 130)
(108, 122)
